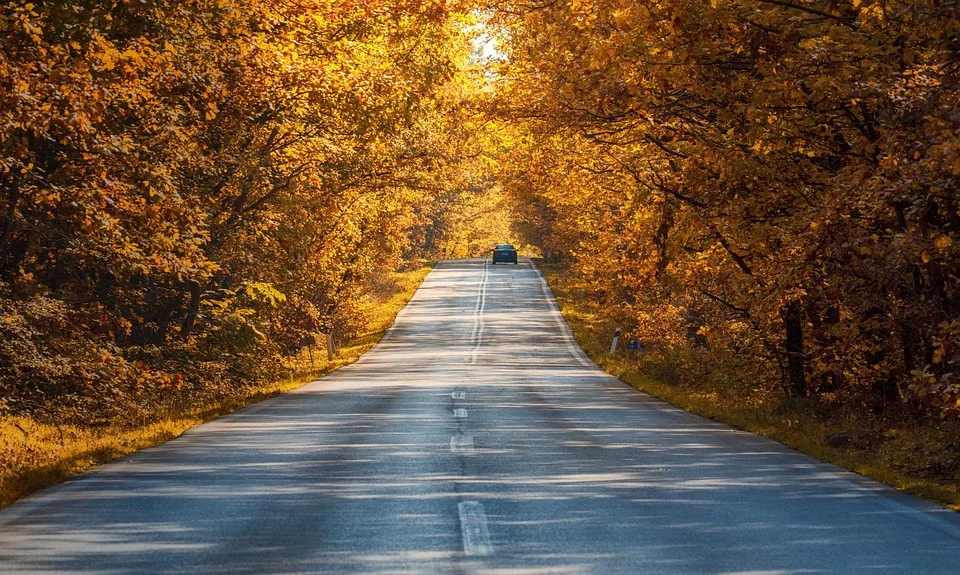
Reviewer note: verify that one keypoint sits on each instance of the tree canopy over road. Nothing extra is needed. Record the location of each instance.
(191, 190)
(773, 183)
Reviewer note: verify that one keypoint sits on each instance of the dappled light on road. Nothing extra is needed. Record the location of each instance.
(576, 472)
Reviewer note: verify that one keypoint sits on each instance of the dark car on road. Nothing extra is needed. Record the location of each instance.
(505, 253)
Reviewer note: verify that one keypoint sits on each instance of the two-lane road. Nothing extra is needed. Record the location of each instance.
(475, 438)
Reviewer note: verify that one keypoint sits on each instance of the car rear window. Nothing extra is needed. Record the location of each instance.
(505, 247)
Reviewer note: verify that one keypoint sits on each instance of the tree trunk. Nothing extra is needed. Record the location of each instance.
(793, 325)
(662, 236)
(6, 229)
(331, 346)
(193, 308)
(7, 225)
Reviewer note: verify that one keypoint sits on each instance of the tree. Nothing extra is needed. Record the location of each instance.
(188, 190)
(780, 177)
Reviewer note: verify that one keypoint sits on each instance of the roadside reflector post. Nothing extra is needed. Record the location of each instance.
(616, 339)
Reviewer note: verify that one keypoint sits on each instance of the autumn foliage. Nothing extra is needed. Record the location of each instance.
(191, 191)
(767, 188)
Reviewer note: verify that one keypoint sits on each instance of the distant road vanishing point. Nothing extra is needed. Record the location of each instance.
(475, 438)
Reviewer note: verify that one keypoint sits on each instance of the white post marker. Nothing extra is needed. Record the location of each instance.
(616, 339)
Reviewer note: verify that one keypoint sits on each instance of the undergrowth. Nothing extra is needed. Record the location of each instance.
(34, 455)
(911, 456)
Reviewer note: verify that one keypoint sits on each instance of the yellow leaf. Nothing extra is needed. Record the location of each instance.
(943, 242)
(938, 354)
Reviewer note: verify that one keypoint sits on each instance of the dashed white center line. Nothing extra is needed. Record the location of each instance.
(473, 527)
(460, 412)
(462, 445)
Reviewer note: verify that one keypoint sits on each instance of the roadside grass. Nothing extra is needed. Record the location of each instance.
(34, 455)
(905, 446)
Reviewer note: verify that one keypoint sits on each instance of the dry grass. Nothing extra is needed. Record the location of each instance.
(906, 447)
(34, 455)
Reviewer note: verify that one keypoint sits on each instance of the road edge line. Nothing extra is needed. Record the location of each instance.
(565, 330)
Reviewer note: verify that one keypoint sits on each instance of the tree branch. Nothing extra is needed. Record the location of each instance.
(814, 11)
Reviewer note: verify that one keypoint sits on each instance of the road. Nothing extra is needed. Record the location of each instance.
(475, 438)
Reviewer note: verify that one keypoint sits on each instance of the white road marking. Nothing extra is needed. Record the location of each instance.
(572, 347)
(476, 308)
(459, 395)
(477, 336)
(462, 445)
(473, 527)
(460, 413)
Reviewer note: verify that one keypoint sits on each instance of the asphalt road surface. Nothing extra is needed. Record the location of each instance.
(475, 438)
